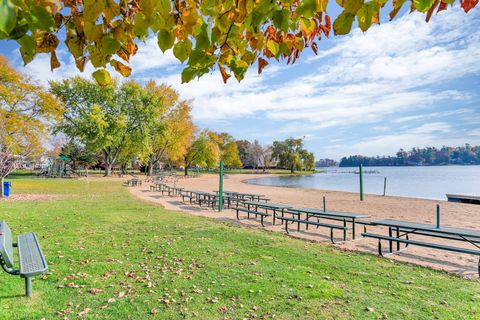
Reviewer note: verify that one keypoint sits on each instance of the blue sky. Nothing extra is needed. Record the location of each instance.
(402, 84)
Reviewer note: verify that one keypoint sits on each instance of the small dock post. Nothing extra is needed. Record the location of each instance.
(324, 204)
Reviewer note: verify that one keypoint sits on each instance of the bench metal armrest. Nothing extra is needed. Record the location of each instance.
(9, 270)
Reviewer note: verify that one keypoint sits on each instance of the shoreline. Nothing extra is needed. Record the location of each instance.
(376, 206)
(331, 190)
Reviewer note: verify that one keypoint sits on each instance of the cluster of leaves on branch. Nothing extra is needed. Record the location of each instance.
(26, 112)
(204, 34)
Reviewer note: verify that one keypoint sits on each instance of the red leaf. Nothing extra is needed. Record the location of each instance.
(328, 25)
(262, 63)
(315, 48)
(271, 33)
(224, 73)
(442, 6)
(467, 5)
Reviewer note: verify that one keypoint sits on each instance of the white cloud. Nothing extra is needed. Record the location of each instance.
(432, 127)
(150, 57)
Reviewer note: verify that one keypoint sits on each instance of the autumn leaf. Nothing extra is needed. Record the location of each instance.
(262, 63)
(102, 77)
(468, 5)
(121, 68)
(54, 63)
(224, 73)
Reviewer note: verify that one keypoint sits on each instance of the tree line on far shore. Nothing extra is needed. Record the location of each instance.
(429, 156)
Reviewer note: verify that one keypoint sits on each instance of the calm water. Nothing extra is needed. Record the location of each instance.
(418, 182)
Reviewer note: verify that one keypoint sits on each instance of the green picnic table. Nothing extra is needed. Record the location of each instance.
(329, 215)
(267, 206)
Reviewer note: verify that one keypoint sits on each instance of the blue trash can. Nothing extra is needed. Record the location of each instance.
(6, 188)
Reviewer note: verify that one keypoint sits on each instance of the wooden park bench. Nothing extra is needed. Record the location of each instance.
(317, 224)
(256, 213)
(30, 257)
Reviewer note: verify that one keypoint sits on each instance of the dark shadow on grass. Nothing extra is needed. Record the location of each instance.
(12, 296)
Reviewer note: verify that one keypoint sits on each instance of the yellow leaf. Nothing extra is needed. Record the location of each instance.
(102, 77)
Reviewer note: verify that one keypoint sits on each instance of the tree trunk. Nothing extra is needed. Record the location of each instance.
(109, 158)
(186, 170)
(151, 164)
(2, 179)
(108, 169)
(291, 169)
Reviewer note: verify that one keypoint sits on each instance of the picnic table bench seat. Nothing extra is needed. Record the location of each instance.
(256, 213)
(30, 256)
(189, 197)
(404, 229)
(408, 241)
(211, 202)
(317, 224)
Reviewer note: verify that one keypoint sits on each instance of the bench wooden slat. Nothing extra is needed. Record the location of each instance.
(31, 259)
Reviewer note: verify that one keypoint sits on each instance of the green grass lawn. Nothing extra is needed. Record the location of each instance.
(112, 256)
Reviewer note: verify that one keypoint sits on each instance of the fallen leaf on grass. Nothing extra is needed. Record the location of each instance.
(84, 312)
(95, 291)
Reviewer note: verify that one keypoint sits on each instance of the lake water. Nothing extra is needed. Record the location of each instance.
(418, 182)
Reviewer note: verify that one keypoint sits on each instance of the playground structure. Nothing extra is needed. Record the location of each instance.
(61, 167)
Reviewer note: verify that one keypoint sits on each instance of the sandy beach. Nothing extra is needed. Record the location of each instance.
(376, 207)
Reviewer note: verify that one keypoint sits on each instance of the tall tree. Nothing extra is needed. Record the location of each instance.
(202, 152)
(228, 148)
(230, 35)
(244, 153)
(106, 118)
(171, 133)
(26, 111)
(287, 153)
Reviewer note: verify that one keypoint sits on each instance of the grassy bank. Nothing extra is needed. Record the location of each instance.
(113, 256)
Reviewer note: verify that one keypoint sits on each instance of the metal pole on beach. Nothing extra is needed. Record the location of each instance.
(438, 216)
(220, 188)
(384, 186)
(360, 168)
(324, 204)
